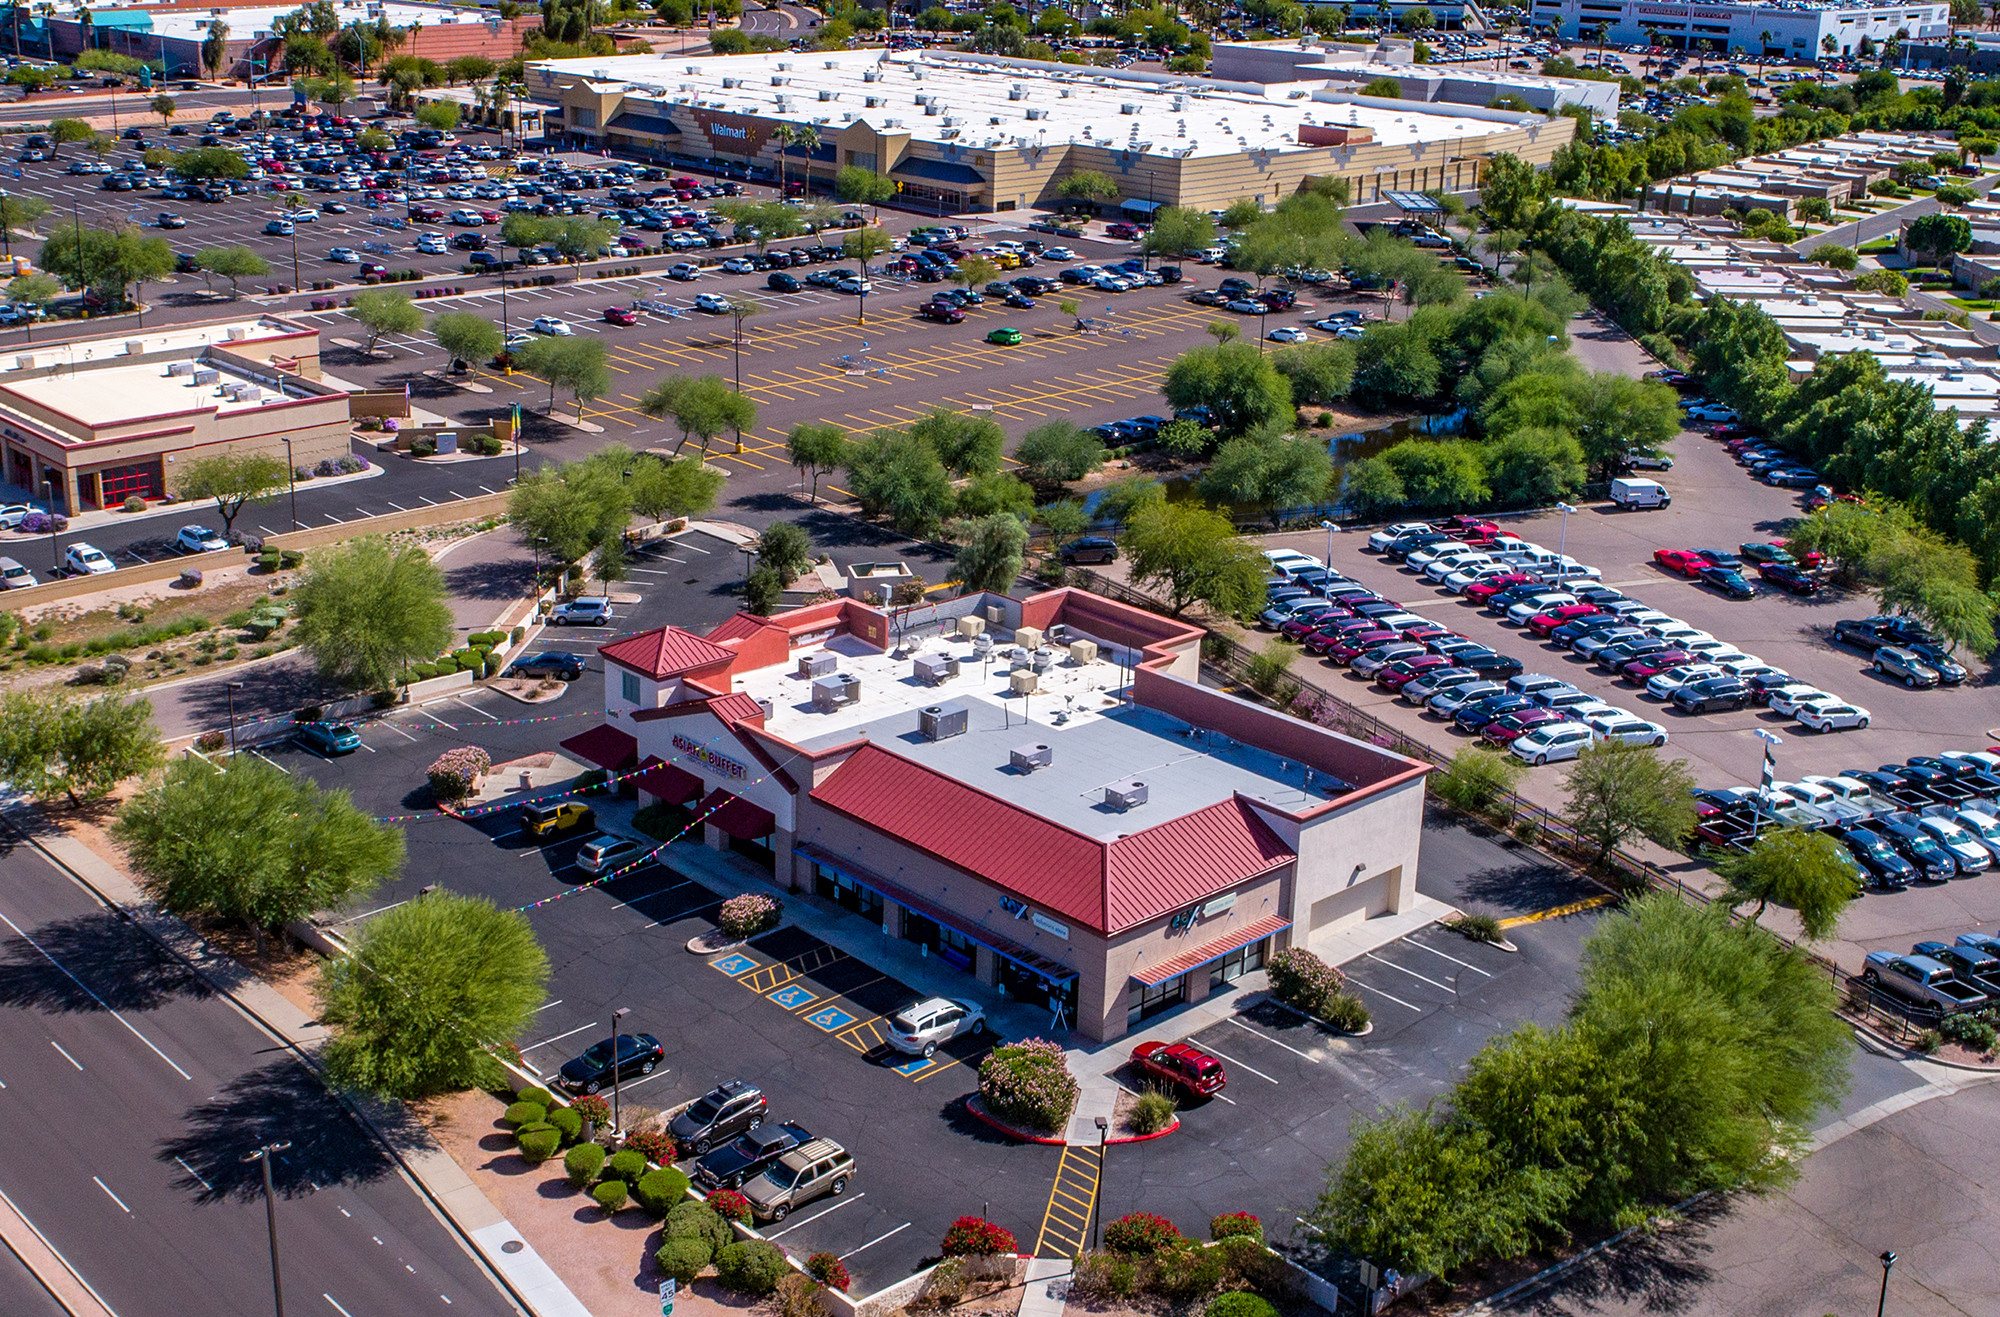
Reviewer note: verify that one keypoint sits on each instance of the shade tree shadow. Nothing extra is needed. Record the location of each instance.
(279, 1101)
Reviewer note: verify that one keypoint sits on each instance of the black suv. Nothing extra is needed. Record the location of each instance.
(637, 1054)
(1871, 633)
(728, 1168)
(1711, 694)
(719, 1115)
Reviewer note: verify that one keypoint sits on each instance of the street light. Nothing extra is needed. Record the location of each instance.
(234, 686)
(616, 1016)
(1888, 1261)
(292, 479)
(262, 1156)
(1097, 1199)
(1331, 530)
(1562, 541)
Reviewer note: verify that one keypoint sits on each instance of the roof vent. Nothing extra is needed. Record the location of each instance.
(1129, 794)
(173, 367)
(874, 101)
(1028, 758)
(728, 84)
(1038, 114)
(940, 721)
(826, 94)
(817, 664)
(770, 708)
(207, 377)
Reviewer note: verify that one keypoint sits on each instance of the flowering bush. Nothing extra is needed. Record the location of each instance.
(655, 1146)
(42, 523)
(454, 772)
(1028, 1083)
(730, 1206)
(828, 1270)
(302, 473)
(391, 424)
(1231, 1225)
(350, 464)
(1141, 1232)
(593, 1109)
(975, 1236)
(743, 916)
(1302, 980)
(326, 467)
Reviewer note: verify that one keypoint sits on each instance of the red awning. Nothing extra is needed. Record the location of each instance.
(672, 784)
(1154, 975)
(735, 815)
(605, 746)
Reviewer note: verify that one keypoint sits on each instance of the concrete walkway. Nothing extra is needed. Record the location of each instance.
(490, 1234)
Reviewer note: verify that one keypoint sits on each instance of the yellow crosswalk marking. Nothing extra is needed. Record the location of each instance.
(1066, 1222)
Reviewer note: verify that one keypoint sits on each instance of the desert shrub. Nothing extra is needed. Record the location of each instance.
(1970, 1030)
(946, 1286)
(1346, 1012)
(566, 1123)
(1152, 1113)
(659, 1191)
(1188, 1272)
(797, 1296)
(1102, 1277)
(538, 1145)
(972, 1236)
(1235, 1225)
(520, 1114)
(1247, 1264)
(610, 1195)
(828, 1270)
(210, 742)
(627, 1166)
(691, 1220)
(1141, 1233)
(1239, 1304)
(1302, 980)
(1028, 1083)
(583, 1162)
(446, 665)
(683, 1258)
(135, 504)
(750, 1267)
(1480, 928)
(730, 1206)
(452, 773)
(748, 915)
(655, 1145)
(423, 671)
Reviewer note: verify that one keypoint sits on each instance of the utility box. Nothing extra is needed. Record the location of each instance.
(1129, 794)
(1082, 652)
(1028, 637)
(995, 615)
(971, 626)
(1023, 682)
(1028, 758)
(940, 721)
(815, 666)
(836, 691)
(935, 669)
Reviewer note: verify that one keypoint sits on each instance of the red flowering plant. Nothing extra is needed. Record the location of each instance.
(730, 1206)
(975, 1236)
(1142, 1233)
(828, 1270)
(656, 1146)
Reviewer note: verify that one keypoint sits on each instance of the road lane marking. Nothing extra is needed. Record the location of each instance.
(873, 1242)
(336, 1303)
(114, 1197)
(1242, 1064)
(1412, 973)
(116, 1015)
(816, 1216)
(197, 1176)
(65, 1055)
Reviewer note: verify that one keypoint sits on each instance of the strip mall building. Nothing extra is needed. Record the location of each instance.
(1038, 792)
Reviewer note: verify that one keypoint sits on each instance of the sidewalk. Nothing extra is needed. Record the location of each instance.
(492, 1236)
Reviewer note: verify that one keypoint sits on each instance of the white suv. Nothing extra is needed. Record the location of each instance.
(919, 1027)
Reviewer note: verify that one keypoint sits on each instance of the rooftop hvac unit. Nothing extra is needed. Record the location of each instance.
(935, 669)
(134, 347)
(995, 615)
(933, 109)
(1028, 637)
(1129, 794)
(729, 84)
(784, 67)
(940, 721)
(836, 691)
(818, 664)
(1023, 682)
(971, 626)
(28, 363)
(238, 331)
(1017, 93)
(1038, 114)
(769, 707)
(1028, 758)
(870, 75)
(874, 101)
(207, 377)
(827, 95)
(830, 63)
(1082, 652)
(1042, 658)
(173, 368)
(1128, 107)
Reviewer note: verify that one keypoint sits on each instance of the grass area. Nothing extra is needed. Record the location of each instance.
(1972, 303)
(1877, 246)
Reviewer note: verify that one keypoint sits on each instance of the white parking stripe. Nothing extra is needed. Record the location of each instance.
(816, 1216)
(870, 1244)
(558, 1038)
(1412, 973)
(1245, 1065)
(1410, 941)
(1379, 993)
(1274, 1042)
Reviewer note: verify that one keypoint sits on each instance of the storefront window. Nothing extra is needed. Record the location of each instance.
(1143, 1003)
(847, 894)
(1238, 963)
(1026, 986)
(947, 944)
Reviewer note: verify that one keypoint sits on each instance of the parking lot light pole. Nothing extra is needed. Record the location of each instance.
(262, 1155)
(1562, 542)
(1097, 1199)
(234, 686)
(1331, 530)
(616, 1016)
(1888, 1261)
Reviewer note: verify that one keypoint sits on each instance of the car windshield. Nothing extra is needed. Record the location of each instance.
(704, 1111)
(1927, 850)
(784, 1175)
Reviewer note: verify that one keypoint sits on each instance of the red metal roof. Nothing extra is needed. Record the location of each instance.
(669, 782)
(736, 707)
(665, 652)
(605, 746)
(1154, 975)
(1106, 886)
(735, 815)
(739, 626)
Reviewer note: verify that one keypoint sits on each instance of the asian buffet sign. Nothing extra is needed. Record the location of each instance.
(708, 758)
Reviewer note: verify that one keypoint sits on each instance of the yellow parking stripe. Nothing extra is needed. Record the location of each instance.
(1558, 911)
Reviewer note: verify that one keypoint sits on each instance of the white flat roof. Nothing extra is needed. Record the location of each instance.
(257, 21)
(239, 335)
(113, 394)
(984, 102)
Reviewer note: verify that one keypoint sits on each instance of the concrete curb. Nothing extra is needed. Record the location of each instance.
(72, 1293)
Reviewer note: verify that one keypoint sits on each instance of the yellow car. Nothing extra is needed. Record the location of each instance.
(539, 818)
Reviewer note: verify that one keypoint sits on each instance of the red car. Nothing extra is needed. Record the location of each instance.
(1346, 649)
(943, 311)
(1299, 627)
(1506, 729)
(1393, 676)
(620, 315)
(1682, 562)
(1642, 670)
(1186, 1067)
(1426, 632)
(1332, 633)
(1481, 591)
(1543, 623)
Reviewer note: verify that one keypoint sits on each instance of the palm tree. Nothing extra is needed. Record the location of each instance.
(807, 136)
(1764, 40)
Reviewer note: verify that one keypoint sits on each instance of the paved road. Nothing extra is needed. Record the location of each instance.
(777, 20)
(130, 1095)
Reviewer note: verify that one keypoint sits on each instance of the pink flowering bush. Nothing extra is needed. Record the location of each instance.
(454, 772)
(749, 914)
(730, 1206)
(1029, 1084)
(1302, 980)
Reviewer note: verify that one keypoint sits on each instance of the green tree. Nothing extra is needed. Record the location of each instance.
(1940, 235)
(245, 840)
(1178, 231)
(64, 131)
(574, 363)
(467, 339)
(1283, 472)
(863, 187)
(968, 445)
(575, 508)
(106, 261)
(234, 263)
(1835, 257)
(1438, 477)
(1371, 488)
(1887, 282)
(896, 474)
(1513, 194)
(1089, 186)
(367, 611)
(1193, 554)
(1618, 417)
(164, 106)
(51, 742)
(816, 448)
(1618, 792)
(786, 549)
(1807, 871)
(1319, 373)
(1064, 520)
(662, 488)
(1057, 452)
(33, 290)
(441, 115)
(1534, 468)
(435, 989)
(20, 212)
(232, 479)
(385, 311)
(210, 162)
(1387, 89)
(701, 405)
(1238, 385)
(990, 552)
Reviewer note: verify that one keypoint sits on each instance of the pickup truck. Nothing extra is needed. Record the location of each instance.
(1737, 827)
(1974, 966)
(1928, 985)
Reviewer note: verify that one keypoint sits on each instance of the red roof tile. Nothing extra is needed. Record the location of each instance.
(665, 652)
(738, 627)
(1106, 886)
(605, 746)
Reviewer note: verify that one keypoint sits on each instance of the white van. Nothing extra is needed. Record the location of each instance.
(1635, 492)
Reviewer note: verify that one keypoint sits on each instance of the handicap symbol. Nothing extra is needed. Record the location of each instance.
(793, 997)
(733, 965)
(830, 1018)
(911, 1069)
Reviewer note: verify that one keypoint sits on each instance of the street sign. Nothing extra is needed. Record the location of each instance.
(667, 1298)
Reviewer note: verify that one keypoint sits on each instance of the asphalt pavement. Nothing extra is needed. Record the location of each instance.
(131, 1093)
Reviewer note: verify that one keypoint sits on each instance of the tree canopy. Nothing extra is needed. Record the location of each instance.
(232, 479)
(1193, 554)
(367, 611)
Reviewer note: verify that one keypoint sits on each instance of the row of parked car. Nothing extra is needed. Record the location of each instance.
(1938, 978)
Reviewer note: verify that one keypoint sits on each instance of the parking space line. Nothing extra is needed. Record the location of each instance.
(559, 1037)
(1453, 959)
(1379, 993)
(1412, 973)
(1242, 1064)
(816, 1216)
(476, 709)
(434, 718)
(398, 731)
(852, 1251)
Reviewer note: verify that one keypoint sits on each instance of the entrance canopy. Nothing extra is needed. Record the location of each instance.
(1137, 207)
(735, 815)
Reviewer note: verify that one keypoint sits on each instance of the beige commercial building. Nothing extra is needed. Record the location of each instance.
(963, 132)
